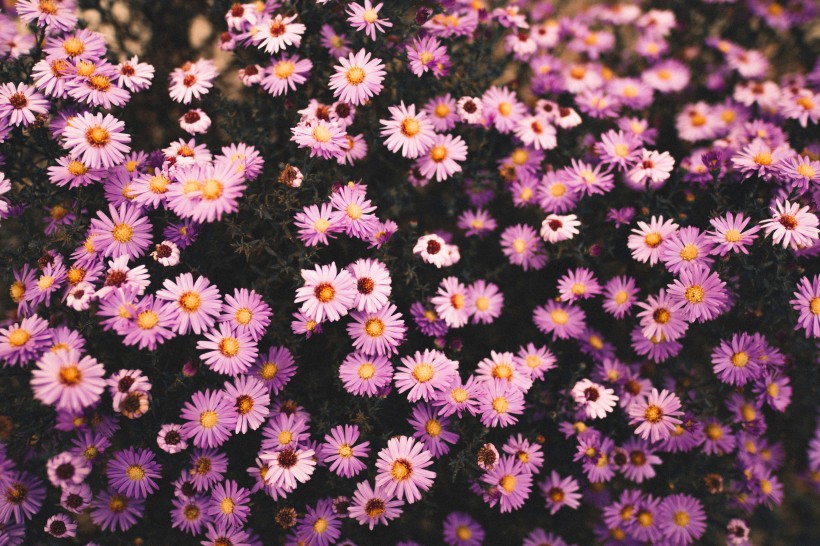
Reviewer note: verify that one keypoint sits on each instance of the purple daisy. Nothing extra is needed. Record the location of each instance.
(559, 492)
(806, 302)
(371, 506)
(209, 418)
(510, 484)
(364, 375)
(229, 504)
(97, 140)
(124, 231)
(21, 343)
(114, 511)
(67, 380)
(19, 105)
(132, 472)
(402, 469)
(228, 351)
(656, 415)
(373, 284)
(735, 361)
(357, 78)
(250, 398)
(21, 496)
(682, 519)
(245, 311)
(562, 320)
(275, 368)
(153, 325)
(321, 525)
(699, 293)
(378, 333)
(341, 451)
(687, 248)
(424, 374)
(328, 293)
(500, 403)
(431, 429)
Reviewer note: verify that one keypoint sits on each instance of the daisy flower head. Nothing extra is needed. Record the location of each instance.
(522, 246)
(402, 469)
(432, 429)
(277, 33)
(364, 375)
(506, 368)
(59, 526)
(425, 374)
(792, 225)
(246, 311)
(433, 249)
(559, 492)
(20, 104)
(328, 293)
(170, 440)
(229, 503)
(536, 360)
(535, 131)
(650, 170)
(152, 324)
(367, 17)
(646, 239)
(660, 318)
(484, 302)
(315, 224)
(500, 402)
(735, 361)
(342, 452)
(699, 293)
(510, 483)
(326, 139)
(451, 302)
(353, 212)
(47, 13)
(195, 121)
(133, 472)
(682, 519)
(209, 419)
(428, 53)
(67, 380)
(800, 171)
(197, 302)
(275, 368)
(618, 149)
(619, 295)
(596, 400)
(579, 283)
(97, 140)
(371, 506)
(288, 466)
(373, 284)
(557, 227)
(686, 248)
(656, 415)
(502, 107)
(476, 222)
(562, 320)
(114, 511)
(806, 302)
(285, 73)
(377, 333)
(358, 78)
(251, 398)
(729, 233)
(441, 160)
(134, 75)
(228, 351)
(408, 131)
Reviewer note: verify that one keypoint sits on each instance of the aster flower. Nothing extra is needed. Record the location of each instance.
(341, 451)
(433, 249)
(133, 472)
(188, 514)
(114, 511)
(124, 231)
(431, 429)
(170, 440)
(325, 139)
(328, 293)
(373, 284)
(682, 519)
(19, 104)
(500, 403)
(459, 529)
(661, 319)
(510, 484)
(320, 525)
(807, 302)
(207, 467)
(246, 312)
(192, 80)
(365, 375)
(97, 140)
(209, 418)
(578, 283)
(792, 225)
(450, 302)
(274, 368)
(560, 492)
(59, 16)
(699, 293)
(442, 158)
(563, 321)
(730, 234)
(557, 227)
(67, 469)
(225, 533)
(427, 320)
(229, 503)
(367, 17)
(250, 398)
(476, 222)
(357, 78)
(651, 169)
(67, 380)
(424, 374)
(285, 73)
(470, 109)
(408, 131)
(195, 121)
(377, 333)
(687, 248)
(371, 506)
(484, 302)
(427, 53)
(152, 324)
(76, 498)
(619, 293)
(521, 245)
(656, 415)
(646, 239)
(228, 351)
(315, 224)
(735, 361)
(353, 212)
(289, 466)
(402, 469)
(596, 400)
(134, 75)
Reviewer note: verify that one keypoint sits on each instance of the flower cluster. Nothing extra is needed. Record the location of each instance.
(258, 320)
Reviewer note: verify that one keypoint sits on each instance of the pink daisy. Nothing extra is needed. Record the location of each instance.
(699, 293)
(328, 293)
(451, 302)
(364, 375)
(67, 380)
(19, 105)
(357, 78)
(209, 419)
(126, 231)
(402, 469)
(228, 351)
(656, 415)
(342, 453)
(197, 303)
(407, 130)
(425, 374)
(441, 160)
(97, 140)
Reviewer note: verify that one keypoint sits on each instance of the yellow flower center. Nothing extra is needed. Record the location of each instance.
(190, 301)
(653, 239)
(806, 170)
(502, 371)
(596, 342)
(697, 119)
(457, 301)
(321, 225)
(526, 194)
(433, 428)
(147, 320)
(410, 127)
(763, 158)
(773, 390)
(520, 156)
(45, 282)
(208, 419)
(285, 437)
(158, 184)
(354, 211)
(520, 246)
(70, 375)
(97, 136)
(507, 483)
(463, 533)
(459, 395)
(814, 306)
(75, 275)
(501, 405)
(244, 404)
(423, 372)
(243, 316)
(284, 69)
(505, 109)
(227, 506)
(438, 153)
(644, 519)
(17, 291)
(370, 16)
(653, 414)
(229, 346)
(689, 252)
(732, 236)
(740, 359)
(211, 189)
(559, 316)
(694, 294)
(442, 110)
(366, 370)
(268, 370)
(135, 473)
(482, 303)
(320, 526)
(805, 102)
(401, 469)
(355, 75)
(345, 451)
(374, 327)
(122, 233)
